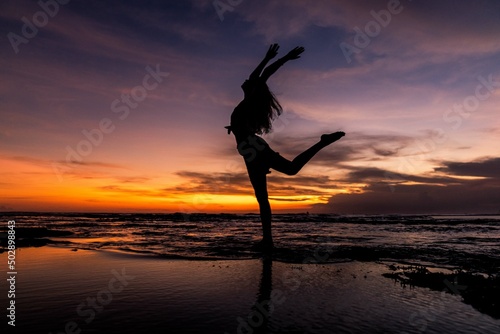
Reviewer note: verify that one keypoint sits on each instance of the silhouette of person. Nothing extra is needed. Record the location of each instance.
(251, 118)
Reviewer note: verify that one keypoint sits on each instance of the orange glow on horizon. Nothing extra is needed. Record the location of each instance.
(92, 190)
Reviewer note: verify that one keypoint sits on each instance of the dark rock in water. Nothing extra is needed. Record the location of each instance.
(33, 242)
(34, 237)
(30, 242)
(482, 293)
(39, 232)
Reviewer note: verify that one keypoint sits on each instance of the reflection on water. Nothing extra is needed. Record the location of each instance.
(180, 296)
(261, 311)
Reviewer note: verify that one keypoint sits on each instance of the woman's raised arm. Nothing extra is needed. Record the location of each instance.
(271, 53)
(271, 69)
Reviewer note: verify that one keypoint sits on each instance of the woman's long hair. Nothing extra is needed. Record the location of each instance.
(265, 108)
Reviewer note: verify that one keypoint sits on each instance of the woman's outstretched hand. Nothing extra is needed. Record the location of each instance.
(295, 53)
(273, 51)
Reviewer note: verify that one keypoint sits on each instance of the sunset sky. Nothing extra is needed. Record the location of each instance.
(120, 106)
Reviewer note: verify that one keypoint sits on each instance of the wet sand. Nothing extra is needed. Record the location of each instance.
(65, 291)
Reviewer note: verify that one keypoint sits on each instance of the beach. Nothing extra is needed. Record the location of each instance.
(62, 290)
(250, 167)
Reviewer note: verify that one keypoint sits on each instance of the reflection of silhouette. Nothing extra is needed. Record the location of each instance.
(264, 301)
(258, 318)
(253, 117)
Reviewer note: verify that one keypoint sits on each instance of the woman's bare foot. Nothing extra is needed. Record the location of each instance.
(264, 246)
(327, 139)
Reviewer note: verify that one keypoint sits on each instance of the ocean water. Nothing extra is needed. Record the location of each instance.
(469, 242)
(310, 280)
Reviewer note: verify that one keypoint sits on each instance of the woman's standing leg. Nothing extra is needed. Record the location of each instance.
(259, 183)
(258, 178)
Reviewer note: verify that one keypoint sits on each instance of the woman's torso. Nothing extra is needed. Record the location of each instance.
(241, 122)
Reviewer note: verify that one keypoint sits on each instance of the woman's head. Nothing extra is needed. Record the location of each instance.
(265, 107)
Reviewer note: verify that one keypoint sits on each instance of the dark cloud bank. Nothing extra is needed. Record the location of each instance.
(455, 187)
